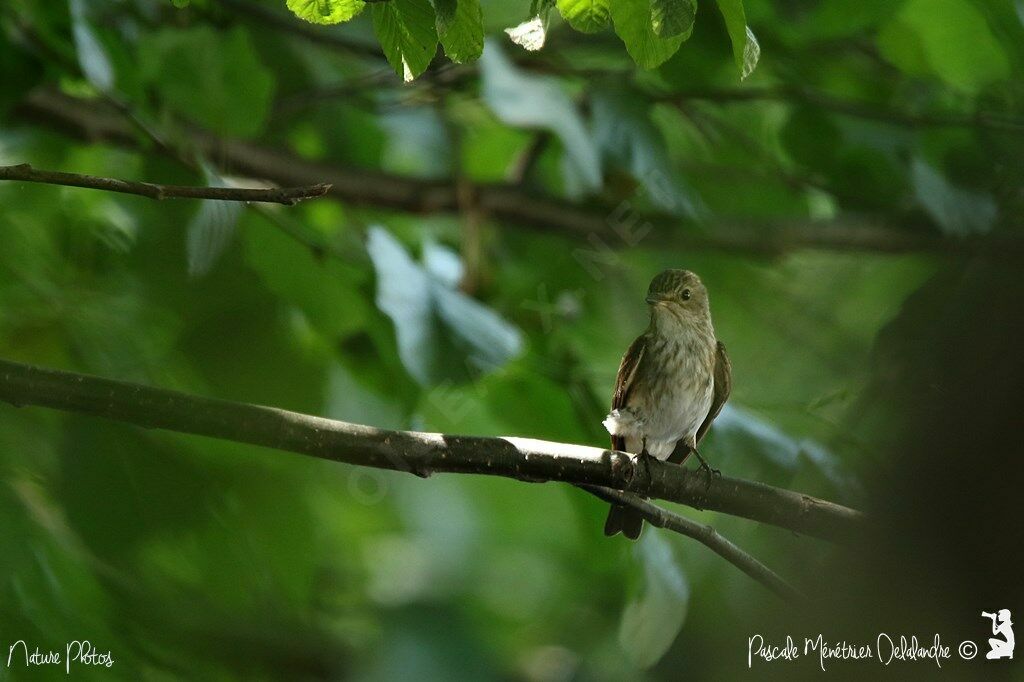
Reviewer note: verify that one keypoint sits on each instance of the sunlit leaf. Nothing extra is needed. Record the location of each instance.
(443, 335)
(444, 264)
(745, 48)
(529, 101)
(529, 35)
(92, 56)
(588, 16)
(326, 11)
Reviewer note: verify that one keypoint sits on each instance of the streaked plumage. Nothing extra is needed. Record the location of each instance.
(672, 381)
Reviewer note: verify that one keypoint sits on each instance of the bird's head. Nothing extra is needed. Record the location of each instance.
(679, 293)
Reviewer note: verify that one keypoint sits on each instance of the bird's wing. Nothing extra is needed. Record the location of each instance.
(624, 381)
(723, 386)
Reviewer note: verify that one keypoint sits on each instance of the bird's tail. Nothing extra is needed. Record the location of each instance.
(624, 519)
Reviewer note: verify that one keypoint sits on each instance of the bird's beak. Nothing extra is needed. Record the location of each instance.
(655, 299)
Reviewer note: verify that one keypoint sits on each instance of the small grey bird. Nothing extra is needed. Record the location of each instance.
(672, 382)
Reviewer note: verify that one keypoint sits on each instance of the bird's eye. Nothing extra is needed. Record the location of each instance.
(686, 294)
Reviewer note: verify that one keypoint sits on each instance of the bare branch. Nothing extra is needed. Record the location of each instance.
(979, 120)
(422, 453)
(526, 161)
(518, 205)
(706, 535)
(283, 195)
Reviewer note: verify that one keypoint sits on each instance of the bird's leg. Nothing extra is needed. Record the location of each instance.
(645, 458)
(704, 466)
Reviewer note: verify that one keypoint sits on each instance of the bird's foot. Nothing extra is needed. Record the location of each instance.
(644, 458)
(706, 468)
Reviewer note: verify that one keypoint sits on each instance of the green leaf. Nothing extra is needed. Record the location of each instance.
(92, 57)
(460, 27)
(180, 4)
(209, 233)
(626, 135)
(634, 25)
(211, 230)
(947, 38)
(529, 101)
(673, 17)
(651, 622)
(588, 16)
(745, 48)
(405, 29)
(443, 335)
(198, 73)
(326, 11)
(327, 291)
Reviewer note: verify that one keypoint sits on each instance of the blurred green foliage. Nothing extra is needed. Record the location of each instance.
(193, 558)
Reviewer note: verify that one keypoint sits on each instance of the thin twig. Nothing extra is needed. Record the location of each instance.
(186, 158)
(703, 533)
(526, 161)
(422, 453)
(277, 195)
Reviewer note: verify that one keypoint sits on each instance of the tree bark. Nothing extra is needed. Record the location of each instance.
(273, 195)
(422, 453)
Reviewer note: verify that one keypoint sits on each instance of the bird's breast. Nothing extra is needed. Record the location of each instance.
(680, 389)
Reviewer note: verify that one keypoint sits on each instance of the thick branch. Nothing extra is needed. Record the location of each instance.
(277, 195)
(421, 453)
(603, 230)
(703, 533)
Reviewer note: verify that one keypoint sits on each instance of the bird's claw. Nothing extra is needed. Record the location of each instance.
(711, 471)
(645, 458)
(707, 468)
